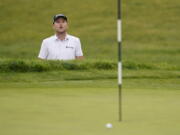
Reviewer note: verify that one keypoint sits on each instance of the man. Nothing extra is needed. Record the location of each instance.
(61, 46)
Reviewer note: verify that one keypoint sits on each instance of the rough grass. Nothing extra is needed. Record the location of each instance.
(43, 66)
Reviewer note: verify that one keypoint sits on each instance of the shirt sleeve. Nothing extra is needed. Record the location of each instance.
(78, 48)
(43, 51)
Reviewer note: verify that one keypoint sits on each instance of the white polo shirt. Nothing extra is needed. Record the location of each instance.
(53, 48)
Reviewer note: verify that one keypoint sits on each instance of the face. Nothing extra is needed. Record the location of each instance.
(60, 25)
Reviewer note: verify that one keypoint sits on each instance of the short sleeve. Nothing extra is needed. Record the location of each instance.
(78, 48)
(43, 51)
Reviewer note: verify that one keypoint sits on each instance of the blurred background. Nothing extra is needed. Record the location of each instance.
(150, 28)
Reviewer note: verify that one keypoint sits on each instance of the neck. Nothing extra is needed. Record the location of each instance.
(61, 36)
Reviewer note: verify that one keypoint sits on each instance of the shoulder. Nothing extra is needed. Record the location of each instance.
(49, 39)
(74, 38)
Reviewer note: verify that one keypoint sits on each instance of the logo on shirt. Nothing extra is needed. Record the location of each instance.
(71, 47)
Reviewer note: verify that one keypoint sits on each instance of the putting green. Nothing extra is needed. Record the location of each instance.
(63, 110)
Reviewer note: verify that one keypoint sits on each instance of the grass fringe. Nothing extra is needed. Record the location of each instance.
(43, 66)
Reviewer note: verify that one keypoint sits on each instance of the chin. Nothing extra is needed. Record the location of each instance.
(61, 31)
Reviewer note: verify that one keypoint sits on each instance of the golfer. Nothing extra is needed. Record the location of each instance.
(61, 46)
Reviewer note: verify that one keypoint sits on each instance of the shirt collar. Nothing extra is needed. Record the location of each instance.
(66, 38)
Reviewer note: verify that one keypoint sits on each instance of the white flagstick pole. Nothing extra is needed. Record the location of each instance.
(119, 38)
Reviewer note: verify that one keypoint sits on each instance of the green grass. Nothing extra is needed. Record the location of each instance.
(149, 35)
(80, 97)
(14, 65)
(84, 107)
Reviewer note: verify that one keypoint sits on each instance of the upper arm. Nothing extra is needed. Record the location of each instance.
(43, 51)
(78, 48)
